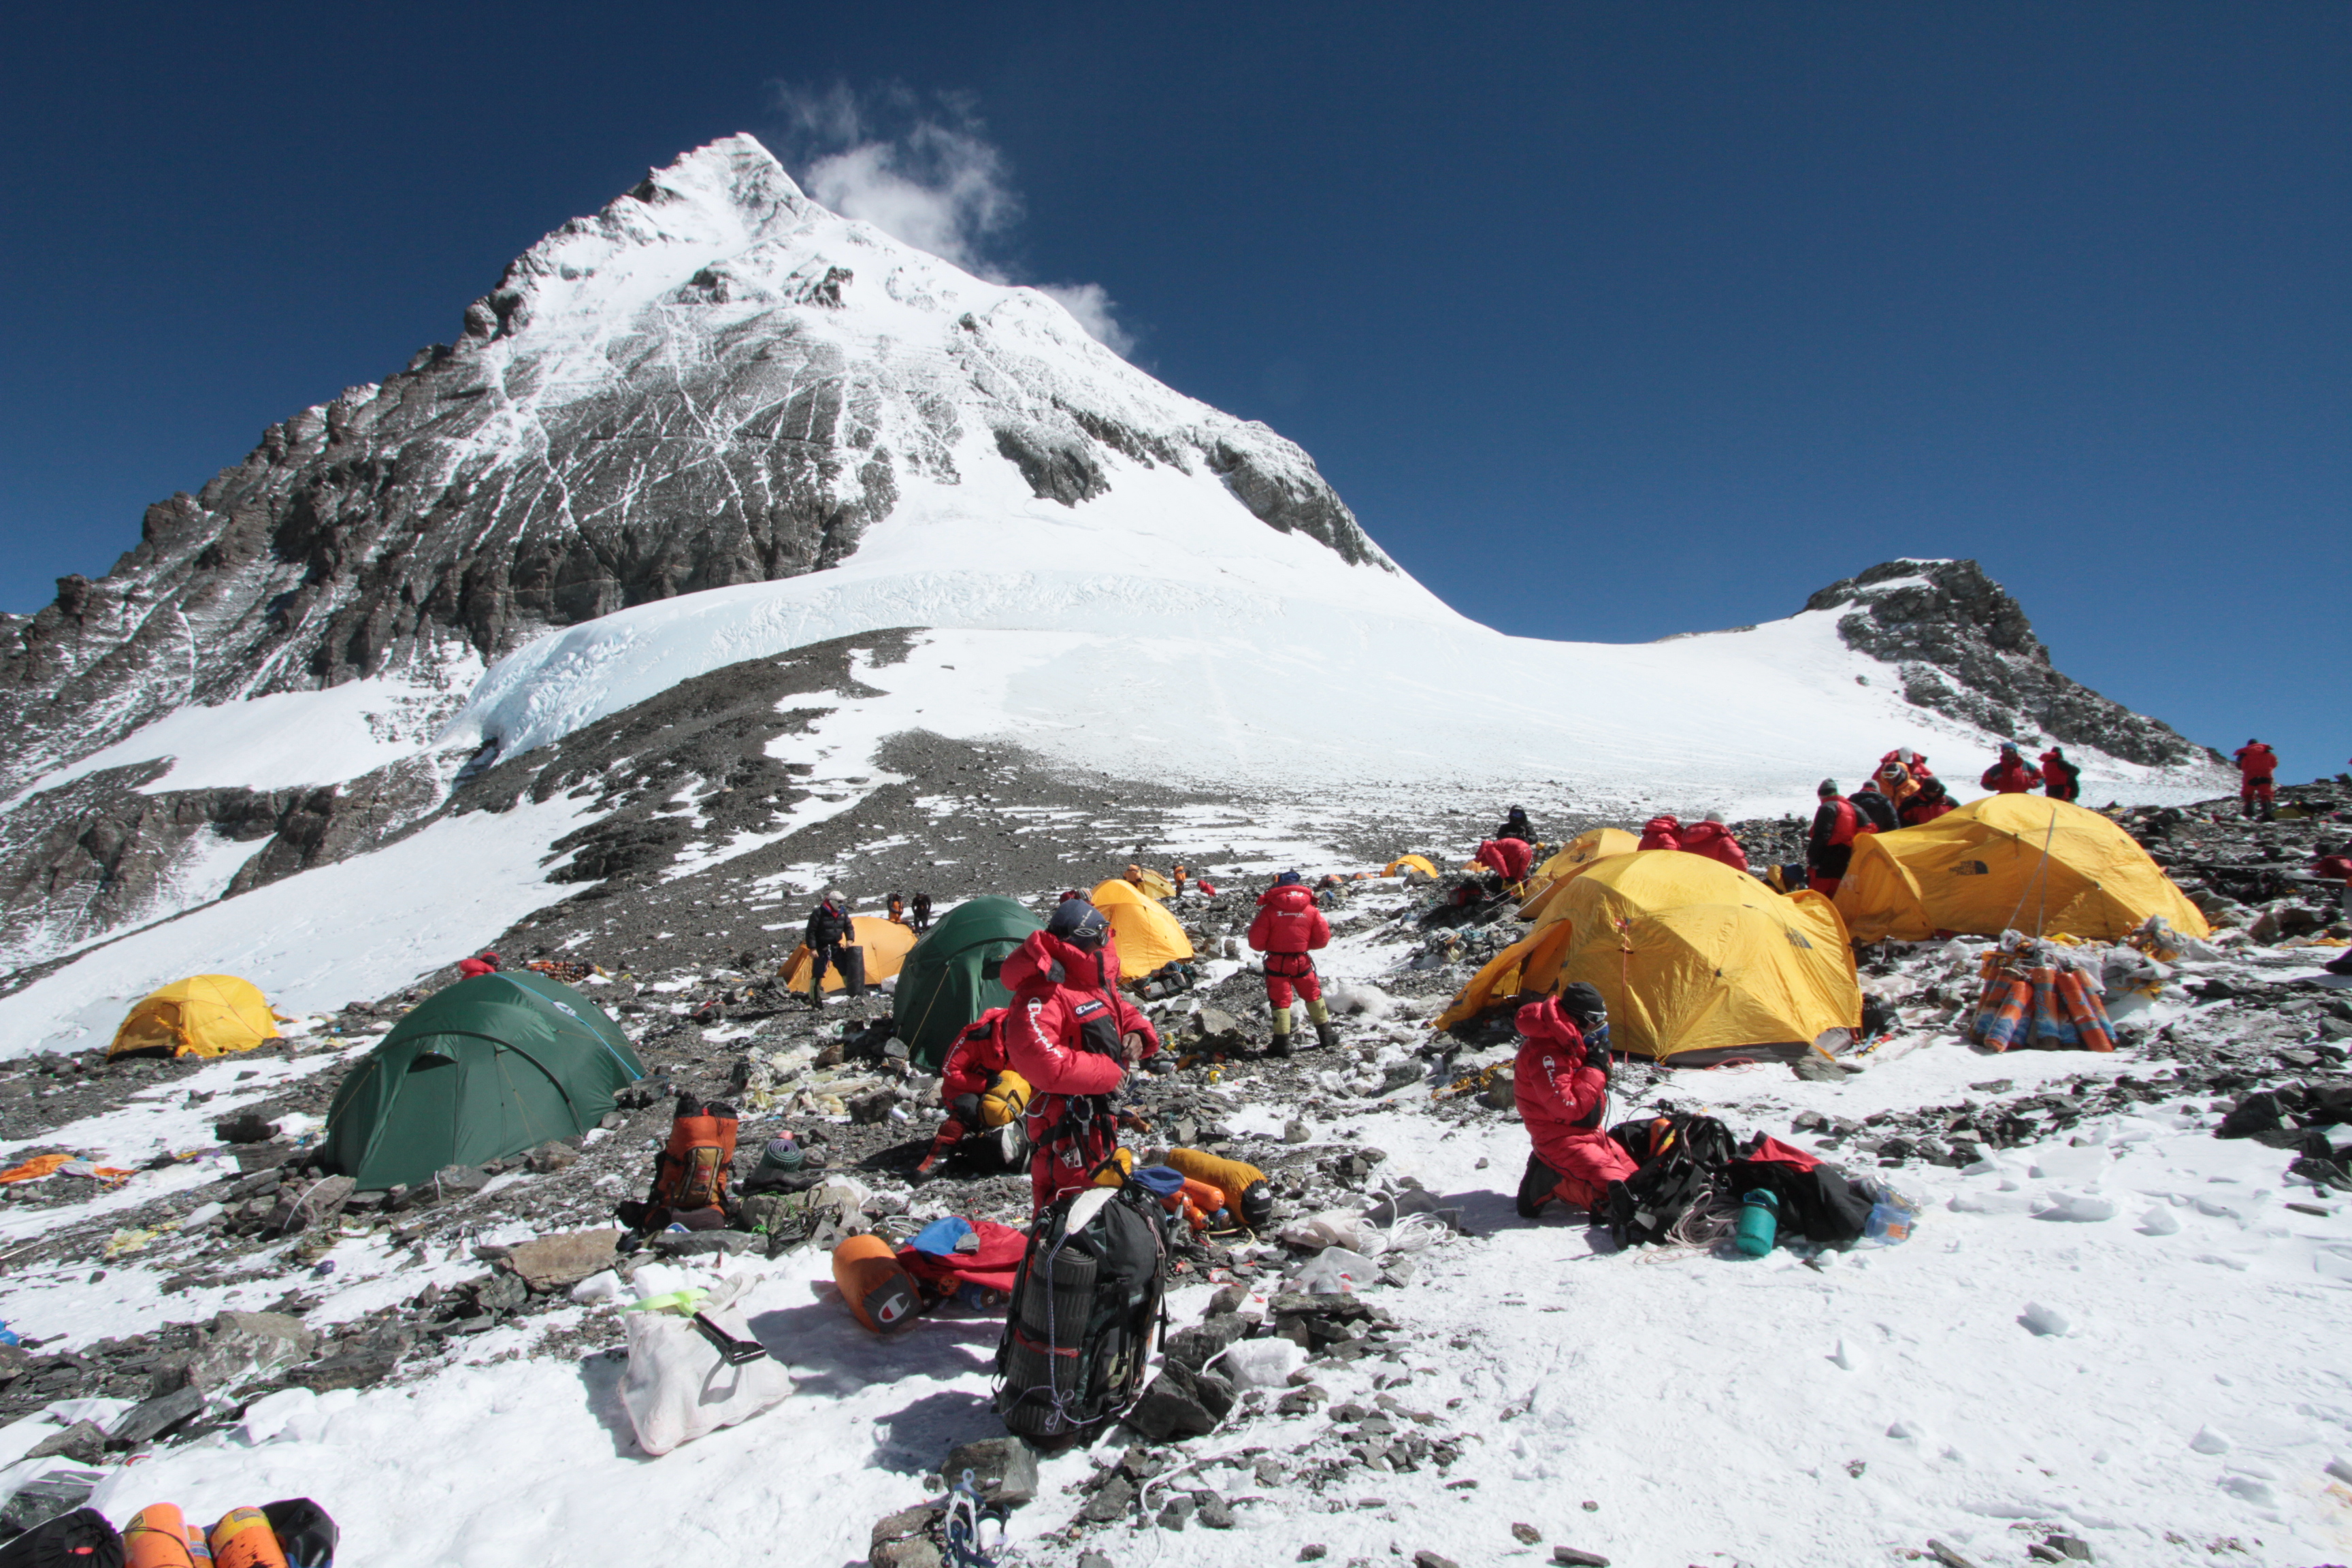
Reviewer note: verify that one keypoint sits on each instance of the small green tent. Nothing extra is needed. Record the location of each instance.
(491, 1066)
(951, 977)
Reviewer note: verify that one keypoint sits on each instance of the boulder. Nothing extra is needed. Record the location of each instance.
(237, 1343)
(245, 1127)
(84, 1443)
(559, 1262)
(904, 1540)
(1004, 1469)
(302, 1204)
(146, 1422)
(1195, 1347)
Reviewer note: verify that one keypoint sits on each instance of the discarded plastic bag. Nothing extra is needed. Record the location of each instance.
(679, 1386)
(1336, 1228)
(1334, 1271)
(1260, 1364)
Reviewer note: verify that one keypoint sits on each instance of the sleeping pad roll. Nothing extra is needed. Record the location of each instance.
(1247, 1196)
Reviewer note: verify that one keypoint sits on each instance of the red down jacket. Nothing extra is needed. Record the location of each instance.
(1063, 1033)
(1662, 833)
(977, 1056)
(2010, 774)
(1714, 841)
(1509, 857)
(1289, 922)
(1563, 1100)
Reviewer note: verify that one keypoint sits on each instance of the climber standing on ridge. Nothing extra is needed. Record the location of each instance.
(2257, 770)
(2061, 780)
(1828, 848)
(2011, 773)
(1288, 929)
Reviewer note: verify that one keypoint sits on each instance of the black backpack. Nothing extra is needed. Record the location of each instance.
(82, 1539)
(1078, 1338)
(1683, 1160)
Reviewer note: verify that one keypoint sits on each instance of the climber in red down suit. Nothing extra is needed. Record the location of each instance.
(1288, 927)
(1070, 1033)
(1561, 1084)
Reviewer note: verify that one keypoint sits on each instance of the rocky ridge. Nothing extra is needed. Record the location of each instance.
(1963, 648)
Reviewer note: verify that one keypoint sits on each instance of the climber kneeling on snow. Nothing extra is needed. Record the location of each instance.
(1071, 1037)
(1561, 1084)
(985, 1098)
(1288, 927)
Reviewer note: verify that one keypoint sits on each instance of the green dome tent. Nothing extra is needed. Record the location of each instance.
(951, 977)
(491, 1066)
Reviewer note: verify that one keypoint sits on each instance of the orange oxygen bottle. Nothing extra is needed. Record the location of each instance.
(243, 1539)
(157, 1537)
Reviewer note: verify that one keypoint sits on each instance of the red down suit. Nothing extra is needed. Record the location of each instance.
(1288, 927)
(1510, 858)
(977, 1057)
(1714, 841)
(1563, 1100)
(1062, 1032)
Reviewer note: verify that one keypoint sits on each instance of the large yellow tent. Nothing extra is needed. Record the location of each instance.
(1149, 936)
(2043, 867)
(1404, 863)
(1575, 857)
(886, 944)
(1698, 963)
(203, 1016)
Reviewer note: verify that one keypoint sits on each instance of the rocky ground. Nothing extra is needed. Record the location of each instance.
(222, 1273)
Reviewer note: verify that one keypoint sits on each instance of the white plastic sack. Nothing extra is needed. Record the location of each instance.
(1336, 1228)
(679, 1388)
(1334, 1271)
(1260, 1364)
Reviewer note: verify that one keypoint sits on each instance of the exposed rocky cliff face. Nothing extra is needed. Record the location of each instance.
(713, 381)
(1965, 649)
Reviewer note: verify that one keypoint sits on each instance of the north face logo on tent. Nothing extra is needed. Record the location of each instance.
(565, 1008)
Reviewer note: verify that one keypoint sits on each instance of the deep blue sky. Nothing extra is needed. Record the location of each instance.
(1610, 321)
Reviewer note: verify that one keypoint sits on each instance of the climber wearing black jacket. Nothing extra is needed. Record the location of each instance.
(828, 935)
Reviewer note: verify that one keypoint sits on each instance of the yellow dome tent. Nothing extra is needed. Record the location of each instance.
(1404, 863)
(203, 1016)
(1698, 963)
(1575, 857)
(886, 944)
(2043, 866)
(1149, 936)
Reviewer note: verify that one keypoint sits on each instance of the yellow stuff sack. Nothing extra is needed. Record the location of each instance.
(1007, 1098)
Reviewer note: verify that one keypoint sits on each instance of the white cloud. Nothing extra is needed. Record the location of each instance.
(1093, 307)
(928, 175)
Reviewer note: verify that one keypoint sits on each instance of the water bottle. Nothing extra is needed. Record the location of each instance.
(1759, 1222)
(1891, 1216)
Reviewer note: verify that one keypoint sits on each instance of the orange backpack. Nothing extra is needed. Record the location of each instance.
(693, 1167)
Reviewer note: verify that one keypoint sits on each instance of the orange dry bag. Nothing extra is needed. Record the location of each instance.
(879, 1292)
(243, 1539)
(1247, 1196)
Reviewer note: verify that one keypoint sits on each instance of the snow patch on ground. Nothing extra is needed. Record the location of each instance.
(359, 928)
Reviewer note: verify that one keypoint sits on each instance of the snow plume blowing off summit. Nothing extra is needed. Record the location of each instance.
(719, 422)
(927, 175)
